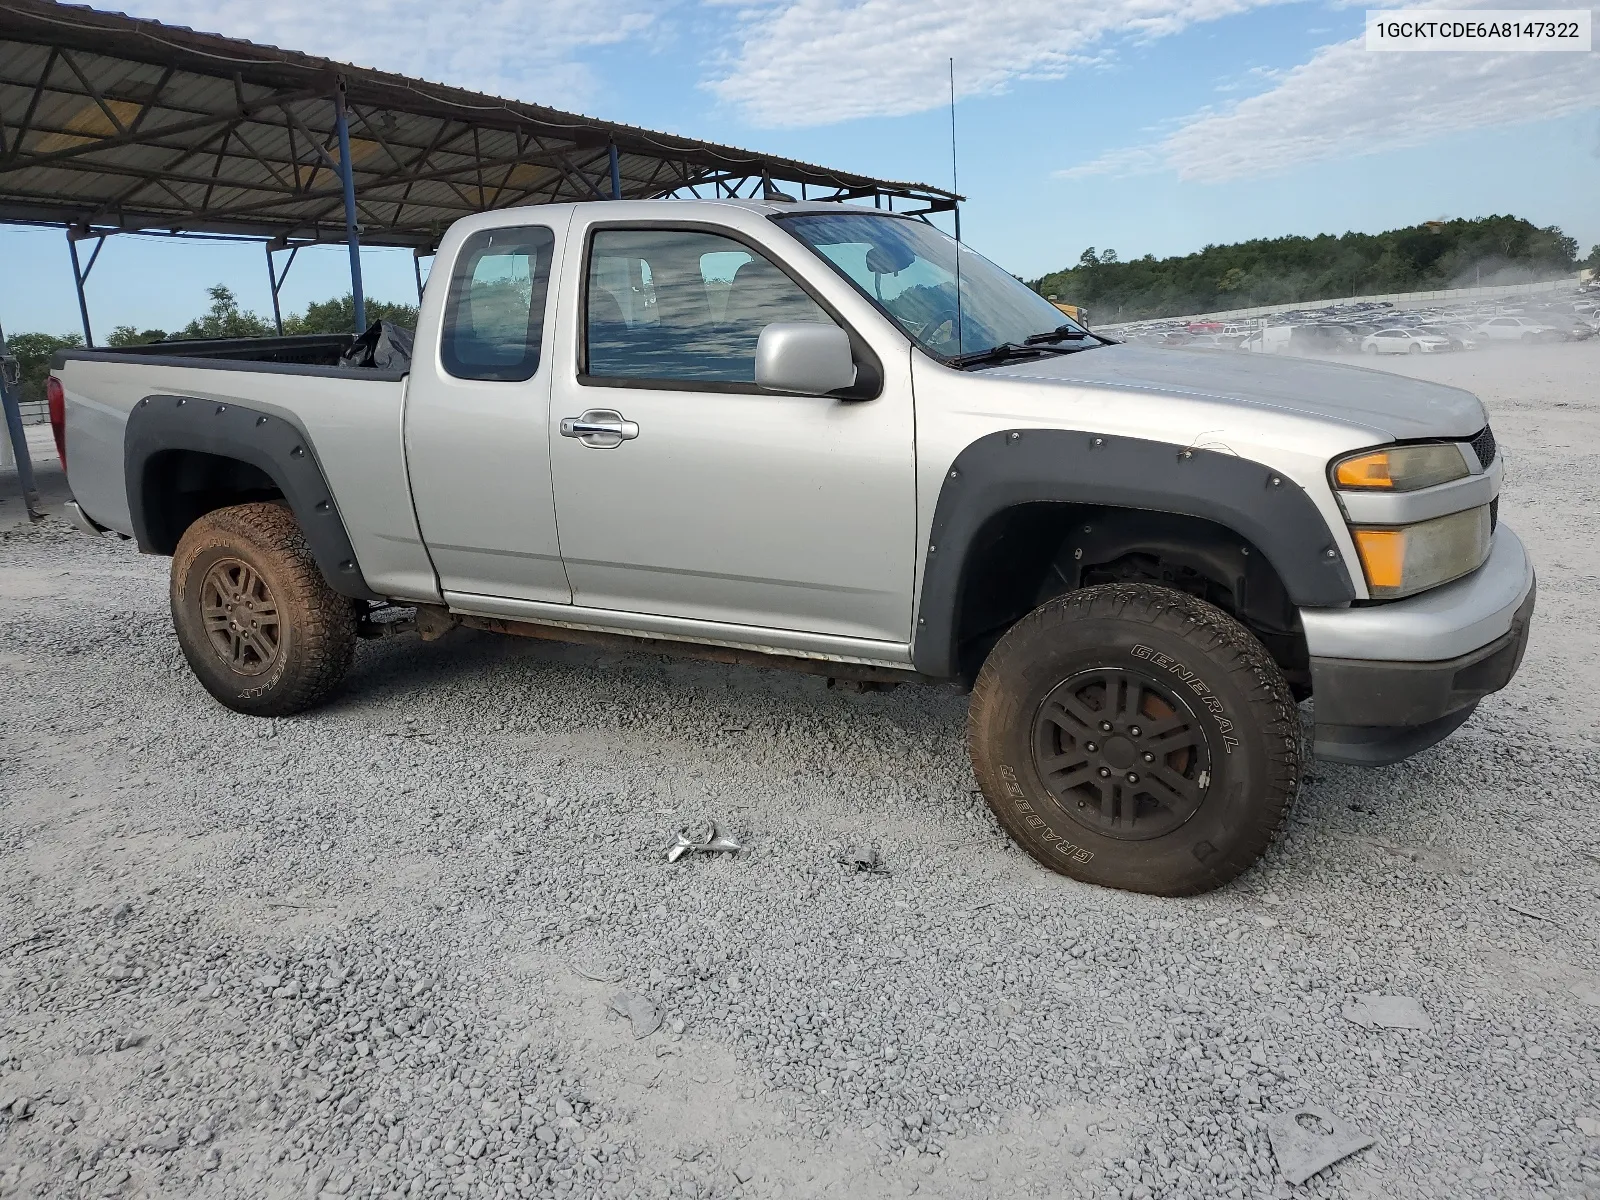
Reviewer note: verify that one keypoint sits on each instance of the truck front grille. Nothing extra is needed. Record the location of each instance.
(1483, 446)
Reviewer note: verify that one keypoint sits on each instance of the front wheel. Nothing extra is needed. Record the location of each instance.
(1135, 737)
(258, 623)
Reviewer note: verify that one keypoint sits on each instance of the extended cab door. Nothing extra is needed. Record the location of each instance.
(702, 497)
(477, 424)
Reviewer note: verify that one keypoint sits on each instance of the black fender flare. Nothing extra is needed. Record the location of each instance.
(270, 441)
(1030, 466)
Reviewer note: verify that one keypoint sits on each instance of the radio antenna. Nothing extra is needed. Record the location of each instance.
(955, 187)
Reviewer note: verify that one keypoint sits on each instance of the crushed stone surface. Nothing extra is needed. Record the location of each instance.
(377, 949)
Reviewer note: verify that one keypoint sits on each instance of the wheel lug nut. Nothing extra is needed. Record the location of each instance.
(1105, 772)
(1148, 757)
(1105, 726)
(1133, 731)
(1090, 747)
(1133, 777)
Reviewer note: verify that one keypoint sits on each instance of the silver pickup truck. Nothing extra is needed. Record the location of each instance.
(812, 436)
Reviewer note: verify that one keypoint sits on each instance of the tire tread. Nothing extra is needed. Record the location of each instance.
(1223, 639)
(324, 621)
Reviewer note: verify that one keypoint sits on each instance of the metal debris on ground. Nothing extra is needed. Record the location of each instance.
(1387, 1012)
(644, 1016)
(1526, 912)
(1309, 1139)
(702, 838)
(865, 859)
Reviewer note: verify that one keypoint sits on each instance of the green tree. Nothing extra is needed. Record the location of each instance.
(127, 335)
(224, 320)
(33, 352)
(1593, 261)
(339, 315)
(1435, 254)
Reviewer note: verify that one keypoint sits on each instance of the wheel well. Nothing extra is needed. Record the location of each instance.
(1027, 554)
(181, 486)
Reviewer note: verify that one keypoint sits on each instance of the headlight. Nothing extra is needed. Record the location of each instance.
(1400, 468)
(1413, 558)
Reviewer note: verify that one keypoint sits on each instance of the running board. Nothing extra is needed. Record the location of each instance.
(433, 621)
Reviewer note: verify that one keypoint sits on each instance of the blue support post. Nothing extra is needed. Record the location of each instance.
(279, 243)
(80, 276)
(348, 178)
(11, 400)
(616, 174)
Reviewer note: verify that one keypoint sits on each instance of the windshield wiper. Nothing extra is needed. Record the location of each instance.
(1060, 333)
(1026, 348)
(998, 353)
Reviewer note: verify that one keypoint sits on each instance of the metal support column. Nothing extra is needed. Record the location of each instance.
(80, 274)
(416, 265)
(616, 174)
(11, 401)
(348, 177)
(276, 244)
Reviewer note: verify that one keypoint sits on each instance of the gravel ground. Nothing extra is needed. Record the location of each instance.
(375, 950)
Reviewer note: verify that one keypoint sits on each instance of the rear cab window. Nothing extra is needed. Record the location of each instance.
(493, 324)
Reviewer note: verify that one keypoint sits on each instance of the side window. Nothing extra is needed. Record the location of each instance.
(679, 305)
(494, 315)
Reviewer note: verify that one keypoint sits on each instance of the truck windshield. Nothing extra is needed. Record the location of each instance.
(908, 268)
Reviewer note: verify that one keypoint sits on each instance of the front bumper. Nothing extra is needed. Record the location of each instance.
(1392, 679)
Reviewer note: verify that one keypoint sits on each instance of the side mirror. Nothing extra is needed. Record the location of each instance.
(805, 358)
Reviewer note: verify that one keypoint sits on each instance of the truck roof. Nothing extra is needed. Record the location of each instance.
(763, 207)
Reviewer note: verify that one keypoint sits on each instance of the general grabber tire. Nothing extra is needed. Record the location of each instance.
(261, 628)
(1133, 736)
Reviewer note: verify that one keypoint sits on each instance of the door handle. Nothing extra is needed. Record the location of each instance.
(600, 428)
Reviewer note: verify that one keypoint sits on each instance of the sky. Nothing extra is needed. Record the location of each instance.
(1143, 126)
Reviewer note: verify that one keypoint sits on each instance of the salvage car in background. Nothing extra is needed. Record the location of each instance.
(1460, 337)
(1323, 339)
(1520, 329)
(1404, 341)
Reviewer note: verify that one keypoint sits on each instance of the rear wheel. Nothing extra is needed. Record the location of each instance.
(1414, 349)
(1133, 736)
(257, 622)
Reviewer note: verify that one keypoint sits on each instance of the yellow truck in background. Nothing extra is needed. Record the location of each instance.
(1077, 312)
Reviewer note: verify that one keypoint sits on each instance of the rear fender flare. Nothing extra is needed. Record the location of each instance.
(270, 441)
(1032, 466)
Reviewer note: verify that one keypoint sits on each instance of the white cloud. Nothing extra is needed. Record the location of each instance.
(508, 48)
(814, 62)
(1130, 160)
(1347, 101)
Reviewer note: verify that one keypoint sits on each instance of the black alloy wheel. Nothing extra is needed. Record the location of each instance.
(1122, 754)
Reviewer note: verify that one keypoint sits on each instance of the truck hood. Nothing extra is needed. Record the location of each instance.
(1389, 405)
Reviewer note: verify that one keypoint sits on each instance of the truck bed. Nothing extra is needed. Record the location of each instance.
(303, 349)
(352, 418)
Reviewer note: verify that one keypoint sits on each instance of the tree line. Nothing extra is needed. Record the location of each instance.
(223, 319)
(1290, 270)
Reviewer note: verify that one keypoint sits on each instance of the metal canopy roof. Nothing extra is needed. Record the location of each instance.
(108, 123)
